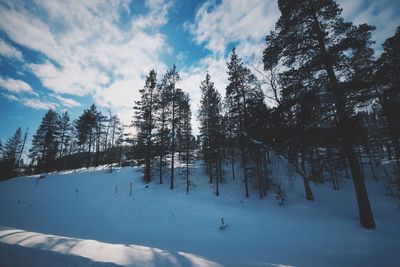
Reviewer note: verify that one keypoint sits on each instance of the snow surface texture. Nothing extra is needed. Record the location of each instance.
(88, 218)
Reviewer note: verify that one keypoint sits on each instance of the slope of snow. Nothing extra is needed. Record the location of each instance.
(89, 217)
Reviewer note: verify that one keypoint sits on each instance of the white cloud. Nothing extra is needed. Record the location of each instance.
(31, 102)
(383, 14)
(120, 94)
(16, 86)
(38, 104)
(86, 51)
(8, 51)
(10, 97)
(67, 102)
(157, 16)
(384, 18)
(233, 21)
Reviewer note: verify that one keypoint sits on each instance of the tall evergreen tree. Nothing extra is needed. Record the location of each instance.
(211, 128)
(11, 151)
(173, 78)
(144, 121)
(186, 137)
(85, 127)
(317, 47)
(45, 142)
(116, 137)
(65, 134)
(99, 133)
(242, 91)
(166, 119)
(161, 121)
(388, 83)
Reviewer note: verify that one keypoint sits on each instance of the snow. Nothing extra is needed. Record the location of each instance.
(81, 252)
(77, 218)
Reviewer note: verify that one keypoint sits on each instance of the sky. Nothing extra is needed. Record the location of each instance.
(66, 55)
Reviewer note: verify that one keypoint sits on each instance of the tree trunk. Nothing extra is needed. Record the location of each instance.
(217, 179)
(309, 193)
(233, 164)
(90, 146)
(173, 142)
(365, 212)
(161, 169)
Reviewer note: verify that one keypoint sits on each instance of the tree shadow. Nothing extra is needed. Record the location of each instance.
(38, 249)
(16, 255)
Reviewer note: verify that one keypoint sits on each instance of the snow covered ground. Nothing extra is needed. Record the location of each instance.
(88, 218)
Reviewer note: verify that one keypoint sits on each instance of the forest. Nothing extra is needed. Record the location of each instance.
(331, 109)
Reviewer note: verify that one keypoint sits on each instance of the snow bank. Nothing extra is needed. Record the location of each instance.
(23, 248)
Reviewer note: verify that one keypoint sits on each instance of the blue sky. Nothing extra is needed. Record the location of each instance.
(67, 55)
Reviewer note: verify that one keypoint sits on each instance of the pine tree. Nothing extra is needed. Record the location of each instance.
(186, 137)
(116, 140)
(98, 135)
(173, 79)
(1, 149)
(65, 129)
(388, 90)
(211, 128)
(20, 152)
(144, 121)
(243, 90)
(166, 119)
(161, 121)
(45, 143)
(85, 127)
(317, 47)
(11, 151)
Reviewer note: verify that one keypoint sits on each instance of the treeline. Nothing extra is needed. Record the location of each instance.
(61, 144)
(335, 112)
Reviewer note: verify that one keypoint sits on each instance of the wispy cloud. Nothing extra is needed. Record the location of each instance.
(38, 104)
(16, 86)
(8, 51)
(31, 102)
(233, 22)
(10, 97)
(383, 14)
(67, 102)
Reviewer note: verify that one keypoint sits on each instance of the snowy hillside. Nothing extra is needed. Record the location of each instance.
(88, 217)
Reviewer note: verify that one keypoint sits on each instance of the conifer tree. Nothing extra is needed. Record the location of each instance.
(166, 119)
(98, 135)
(10, 154)
(144, 121)
(162, 126)
(45, 142)
(173, 78)
(318, 48)
(186, 137)
(211, 128)
(85, 127)
(388, 83)
(65, 129)
(243, 90)
(114, 141)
